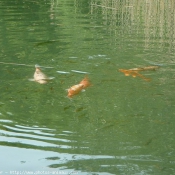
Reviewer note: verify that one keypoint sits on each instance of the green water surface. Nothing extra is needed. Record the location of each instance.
(120, 124)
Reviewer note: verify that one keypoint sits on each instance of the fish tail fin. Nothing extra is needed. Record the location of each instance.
(85, 82)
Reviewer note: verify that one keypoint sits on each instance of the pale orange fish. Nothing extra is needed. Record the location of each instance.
(40, 77)
(145, 68)
(133, 73)
(79, 87)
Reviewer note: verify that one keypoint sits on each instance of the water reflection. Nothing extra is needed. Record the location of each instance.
(64, 162)
(150, 20)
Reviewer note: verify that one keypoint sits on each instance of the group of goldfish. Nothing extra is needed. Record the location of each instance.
(41, 78)
(134, 72)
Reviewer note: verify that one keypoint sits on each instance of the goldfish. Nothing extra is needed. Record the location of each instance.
(39, 76)
(79, 87)
(133, 73)
(145, 68)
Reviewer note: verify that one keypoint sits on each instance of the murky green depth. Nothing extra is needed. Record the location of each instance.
(118, 125)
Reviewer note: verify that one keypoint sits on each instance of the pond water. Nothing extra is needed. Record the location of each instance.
(120, 124)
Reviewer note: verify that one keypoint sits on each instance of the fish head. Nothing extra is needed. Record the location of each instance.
(125, 71)
(37, 70)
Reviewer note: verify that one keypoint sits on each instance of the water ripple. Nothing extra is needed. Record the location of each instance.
(33, 136)
(33, 130)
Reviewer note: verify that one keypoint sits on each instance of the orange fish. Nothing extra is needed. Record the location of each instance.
(85, 82)
(133, 73)
(79, 87)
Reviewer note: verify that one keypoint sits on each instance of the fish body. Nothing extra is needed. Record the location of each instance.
(40, 77)
(145, 68)
(79, 87)
(133, 73)
(74, 90)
